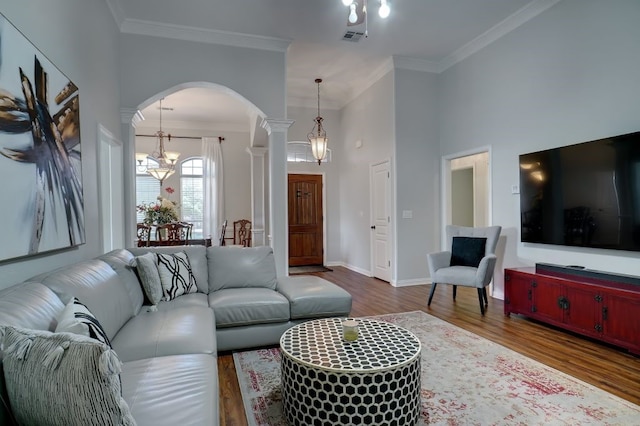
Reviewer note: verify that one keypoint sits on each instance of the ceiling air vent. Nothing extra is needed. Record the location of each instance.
(353, 36)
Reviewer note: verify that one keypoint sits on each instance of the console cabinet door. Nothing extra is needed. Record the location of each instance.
(621, 320)
(583, 312)
(517, 293)
(548, 300)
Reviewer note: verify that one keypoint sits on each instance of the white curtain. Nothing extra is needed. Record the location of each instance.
(213, 174)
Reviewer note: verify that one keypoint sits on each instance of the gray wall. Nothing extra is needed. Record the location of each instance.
(151, 65)
(369, 118)
(79, 37)
(567, 76)
(417, 172)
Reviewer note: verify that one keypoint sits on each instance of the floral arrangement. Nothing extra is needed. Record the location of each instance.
(162, 211)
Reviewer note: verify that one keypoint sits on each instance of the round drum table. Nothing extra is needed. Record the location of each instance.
(374, 380)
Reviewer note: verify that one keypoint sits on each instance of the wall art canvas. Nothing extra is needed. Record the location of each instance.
(42, 205)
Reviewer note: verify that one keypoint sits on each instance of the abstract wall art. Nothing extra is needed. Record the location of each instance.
(42, 206)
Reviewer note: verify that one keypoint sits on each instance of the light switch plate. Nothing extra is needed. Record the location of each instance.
(515, 189)
(407, 214)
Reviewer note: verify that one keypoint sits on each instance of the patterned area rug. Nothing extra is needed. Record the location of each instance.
(466, 380)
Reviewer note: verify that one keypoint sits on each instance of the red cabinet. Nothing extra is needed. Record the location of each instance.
(602, 310)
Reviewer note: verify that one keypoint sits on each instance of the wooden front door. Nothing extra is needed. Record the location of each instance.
(305, 220)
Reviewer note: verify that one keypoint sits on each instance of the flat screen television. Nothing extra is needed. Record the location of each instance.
(586, 195)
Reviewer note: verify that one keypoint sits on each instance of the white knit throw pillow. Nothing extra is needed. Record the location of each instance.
(62, 379)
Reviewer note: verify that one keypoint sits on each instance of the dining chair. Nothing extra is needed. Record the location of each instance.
(173, 234)
(242, 232)
(223, 230)
(468, 262)
(143, 232)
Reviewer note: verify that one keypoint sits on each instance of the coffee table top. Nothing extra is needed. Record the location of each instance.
(380, 345)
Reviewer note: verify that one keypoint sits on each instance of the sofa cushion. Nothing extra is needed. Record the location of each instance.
(314, 297)
(186, 300)
(76, 318)
(197, 258)
(172, 390)
(183, 330)
(176, 276)
(236, 267)
(97, 285)
(30, 305)
(62, 379)
(241, 306)
(122, 261)
(149, 277)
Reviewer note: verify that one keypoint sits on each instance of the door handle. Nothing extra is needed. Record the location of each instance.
(373, 227)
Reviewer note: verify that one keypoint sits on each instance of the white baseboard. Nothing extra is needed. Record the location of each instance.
(413, 281)
(351, 267)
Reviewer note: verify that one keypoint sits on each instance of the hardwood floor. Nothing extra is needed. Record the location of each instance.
(609, 368)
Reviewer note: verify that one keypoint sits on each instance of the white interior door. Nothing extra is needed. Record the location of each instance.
(111, 190)
(381, 220)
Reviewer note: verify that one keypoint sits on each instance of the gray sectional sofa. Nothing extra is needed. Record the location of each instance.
(169, 351)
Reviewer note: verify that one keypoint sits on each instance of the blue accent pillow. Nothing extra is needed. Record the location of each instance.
(467, 251)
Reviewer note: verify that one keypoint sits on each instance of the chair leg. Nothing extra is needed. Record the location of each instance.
(455, 291)
(433, 290)
(484, 293)
(481, 299)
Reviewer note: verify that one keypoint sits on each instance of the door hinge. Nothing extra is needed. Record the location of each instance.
(388, 219)
(605, 313)
(534, 309)
(388, 175)
(507, 277)
(389, 263)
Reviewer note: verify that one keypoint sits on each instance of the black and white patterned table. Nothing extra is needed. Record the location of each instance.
(374, 380)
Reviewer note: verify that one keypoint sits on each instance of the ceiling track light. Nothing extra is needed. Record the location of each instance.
(383, 10)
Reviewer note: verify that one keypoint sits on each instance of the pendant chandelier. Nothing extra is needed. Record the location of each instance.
(164, 162)
(318, 136)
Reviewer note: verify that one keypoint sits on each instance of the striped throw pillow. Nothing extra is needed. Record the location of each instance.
(76, 318)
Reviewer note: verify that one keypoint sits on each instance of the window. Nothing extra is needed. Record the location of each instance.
(147, 187)
(300, 152)
(192, 194)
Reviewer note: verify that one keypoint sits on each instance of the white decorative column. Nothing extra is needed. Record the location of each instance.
(128, 123)
(258, 189)
(278, 221)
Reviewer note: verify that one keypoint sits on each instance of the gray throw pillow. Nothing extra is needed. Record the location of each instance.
(77, 318)
(62, 379)
(149, 277)
(176, 275)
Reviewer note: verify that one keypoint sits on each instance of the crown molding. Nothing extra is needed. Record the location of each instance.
(116, 12)
(369, 81)
(416, 64)
(202, 35)
(509, 24)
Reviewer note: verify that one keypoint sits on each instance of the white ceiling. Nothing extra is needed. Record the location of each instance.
(429, 35)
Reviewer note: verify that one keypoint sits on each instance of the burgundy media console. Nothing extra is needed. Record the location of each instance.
(597, 304)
